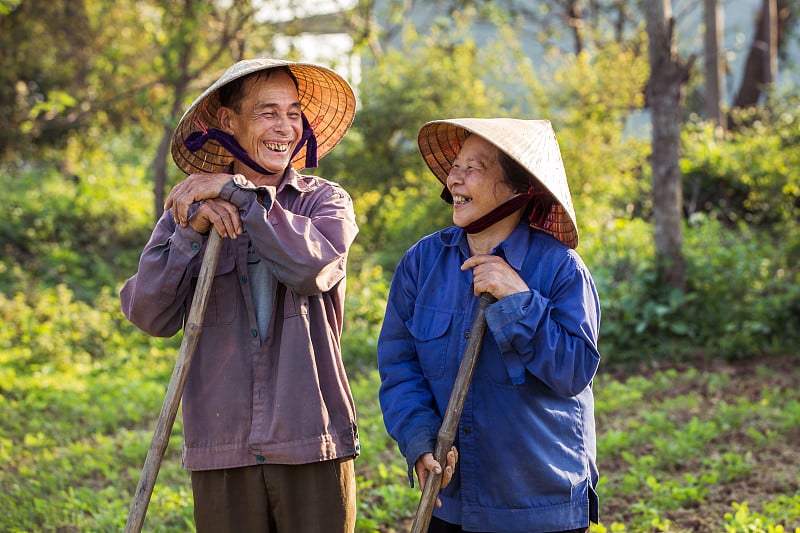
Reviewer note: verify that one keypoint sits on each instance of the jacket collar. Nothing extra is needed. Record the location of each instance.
(513, 249)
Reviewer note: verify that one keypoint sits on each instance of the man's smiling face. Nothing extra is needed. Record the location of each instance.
(269, 123)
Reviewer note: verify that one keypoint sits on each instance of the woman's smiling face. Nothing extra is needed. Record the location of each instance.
(476, 181)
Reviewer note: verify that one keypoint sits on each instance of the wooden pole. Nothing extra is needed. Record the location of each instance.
(455, 405)
(191, 334)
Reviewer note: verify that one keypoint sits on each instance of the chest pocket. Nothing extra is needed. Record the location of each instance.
(430, 329)
(222, 302)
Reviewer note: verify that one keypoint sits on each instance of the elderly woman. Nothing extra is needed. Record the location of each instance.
(526, 438)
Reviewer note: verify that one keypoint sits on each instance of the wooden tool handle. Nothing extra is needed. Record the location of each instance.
(447, 431)
(191, 334)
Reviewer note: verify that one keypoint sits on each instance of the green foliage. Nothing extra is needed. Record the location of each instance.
(81, 220)
(742, 297)
(442, 74)
(747, 175)
(80, 389)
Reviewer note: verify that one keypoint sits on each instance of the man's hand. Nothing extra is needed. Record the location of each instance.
(222, 215)
(426, 463)
(193, 189)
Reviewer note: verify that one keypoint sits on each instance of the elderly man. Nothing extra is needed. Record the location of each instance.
(270, 430)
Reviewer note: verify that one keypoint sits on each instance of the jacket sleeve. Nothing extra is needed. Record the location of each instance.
(553, 337)
(306, 252)
(155, 298)
(408, 406)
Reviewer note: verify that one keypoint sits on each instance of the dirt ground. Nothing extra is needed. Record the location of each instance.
(775, 465)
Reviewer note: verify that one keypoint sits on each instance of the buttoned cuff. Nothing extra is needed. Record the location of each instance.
(238, 190)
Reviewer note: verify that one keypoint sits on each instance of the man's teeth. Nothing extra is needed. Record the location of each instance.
(460, 199)
(278, 147)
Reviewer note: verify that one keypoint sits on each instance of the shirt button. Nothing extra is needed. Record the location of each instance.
(195, 246)
(244, 279)
(254, 333)
(260, 459)
(466, 334)
(467, 431)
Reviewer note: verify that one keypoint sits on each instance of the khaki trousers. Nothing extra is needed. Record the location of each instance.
(310, 498)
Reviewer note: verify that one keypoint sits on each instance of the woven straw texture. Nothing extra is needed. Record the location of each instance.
(325, 97)
(532, 143)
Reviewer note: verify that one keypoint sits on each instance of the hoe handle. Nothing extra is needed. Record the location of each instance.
(191, 334)
(447, 431)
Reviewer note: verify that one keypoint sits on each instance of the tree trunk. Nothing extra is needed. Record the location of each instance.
(160, 173)
(574, 17)
(760, 67)
(715, 72)
(667, 77)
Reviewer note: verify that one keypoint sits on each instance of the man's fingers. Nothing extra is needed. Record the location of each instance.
(219, 214)
(226, 219)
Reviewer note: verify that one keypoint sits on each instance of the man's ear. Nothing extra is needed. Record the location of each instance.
(225, 119)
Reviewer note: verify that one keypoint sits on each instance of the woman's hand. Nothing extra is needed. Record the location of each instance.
(426, 463)
(493, 275)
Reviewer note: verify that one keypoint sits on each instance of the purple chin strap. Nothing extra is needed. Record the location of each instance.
(197, 139)
(537, 216)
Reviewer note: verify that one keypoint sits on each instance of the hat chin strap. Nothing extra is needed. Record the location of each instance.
(196, 140)
(538, 216)
(497, 214)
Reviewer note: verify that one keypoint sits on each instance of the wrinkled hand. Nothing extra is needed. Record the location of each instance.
(493, 275)
(222, 215)
(426, 463)
(194, 188)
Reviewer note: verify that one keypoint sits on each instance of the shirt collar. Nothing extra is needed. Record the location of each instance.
(513, 249)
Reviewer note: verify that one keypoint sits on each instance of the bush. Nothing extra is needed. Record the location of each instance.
(78, 219)
(742, 299)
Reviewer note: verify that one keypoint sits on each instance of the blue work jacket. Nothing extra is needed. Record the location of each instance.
(526, 437)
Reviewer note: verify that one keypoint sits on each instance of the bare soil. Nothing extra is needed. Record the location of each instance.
(775, 464)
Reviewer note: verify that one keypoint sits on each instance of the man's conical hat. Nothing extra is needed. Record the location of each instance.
(326, 99)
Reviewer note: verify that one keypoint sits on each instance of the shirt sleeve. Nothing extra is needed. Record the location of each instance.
(554, 338)
(154, 299)
(306, 252)
(408, 406)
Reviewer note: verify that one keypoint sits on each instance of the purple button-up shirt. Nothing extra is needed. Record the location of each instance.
(282, 399)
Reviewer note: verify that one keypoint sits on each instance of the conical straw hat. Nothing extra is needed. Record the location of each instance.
(531, 143)
(325, 97)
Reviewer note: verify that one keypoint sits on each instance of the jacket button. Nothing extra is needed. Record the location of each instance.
(254, 333)
(466, 334)
(244, 279)
(195, 246)
(260, 459)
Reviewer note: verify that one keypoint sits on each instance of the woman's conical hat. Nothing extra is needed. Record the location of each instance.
(531, 143)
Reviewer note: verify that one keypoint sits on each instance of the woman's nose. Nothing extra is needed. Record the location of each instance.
(454, 176)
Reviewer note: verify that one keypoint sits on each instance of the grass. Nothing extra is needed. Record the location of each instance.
(695, 448)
